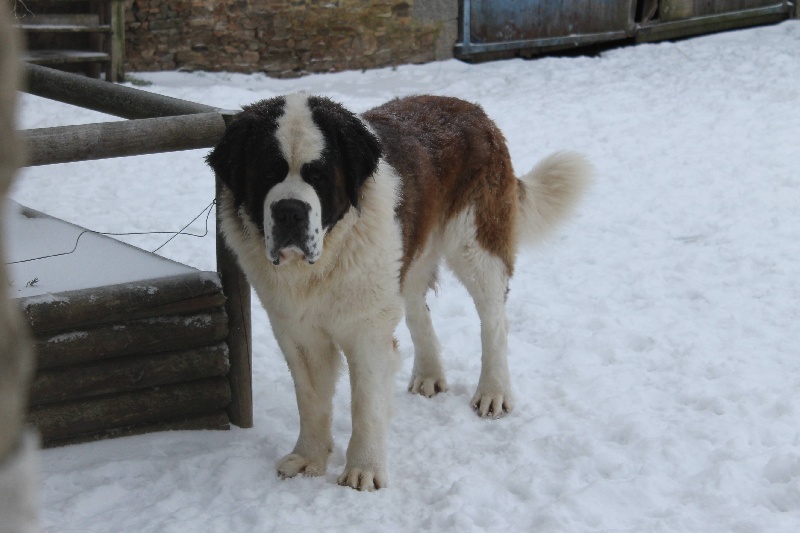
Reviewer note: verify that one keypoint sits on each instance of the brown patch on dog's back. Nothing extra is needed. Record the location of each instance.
(450, 156)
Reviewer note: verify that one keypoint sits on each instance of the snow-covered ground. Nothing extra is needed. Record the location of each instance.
(655, 340)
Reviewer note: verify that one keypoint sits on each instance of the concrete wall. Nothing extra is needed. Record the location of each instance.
(287, 37)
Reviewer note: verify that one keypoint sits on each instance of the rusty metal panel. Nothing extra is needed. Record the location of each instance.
(684, 18)
(682, 9)
(494, 25)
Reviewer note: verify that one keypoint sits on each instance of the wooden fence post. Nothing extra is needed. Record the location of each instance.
(116, 67)
(237, 290)
(195, 126)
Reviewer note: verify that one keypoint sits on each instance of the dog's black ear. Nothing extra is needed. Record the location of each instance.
(356, 147)
(227, 159)
(247, 140)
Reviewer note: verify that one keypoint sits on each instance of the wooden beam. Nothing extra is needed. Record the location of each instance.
(116, 70)
(63, 57)
(237, 307)
(215, 420)
(88, 308)
(109, 98)
(67, 144)
(134, 337)
(77, 417)
(123, 374)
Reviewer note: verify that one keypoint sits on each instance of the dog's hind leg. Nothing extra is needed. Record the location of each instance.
(427, 377)
(486, 277)
(314, 365)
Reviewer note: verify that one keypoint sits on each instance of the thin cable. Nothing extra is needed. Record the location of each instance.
(55, 255)
(208, 209)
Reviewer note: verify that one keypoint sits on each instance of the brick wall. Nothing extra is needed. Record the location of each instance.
(286, 37)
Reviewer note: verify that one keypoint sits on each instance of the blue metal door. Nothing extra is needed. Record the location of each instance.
(499, 25)
(537, 26)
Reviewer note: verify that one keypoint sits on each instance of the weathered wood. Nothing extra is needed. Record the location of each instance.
(116, 100)
(66, 144)
(174, 295)
(135, 337)
(62, 57)
(61, 21)
(215, 420)
(77, 417)
(124, 374)
(104, 25)
(116, 70)
(64, 28)
(237, 306)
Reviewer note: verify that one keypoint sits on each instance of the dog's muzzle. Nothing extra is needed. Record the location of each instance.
(290, 230)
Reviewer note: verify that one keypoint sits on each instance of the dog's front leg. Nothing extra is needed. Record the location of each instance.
(372, 365)
(314, 367)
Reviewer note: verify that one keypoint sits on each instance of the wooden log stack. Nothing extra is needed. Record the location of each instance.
(130, 358)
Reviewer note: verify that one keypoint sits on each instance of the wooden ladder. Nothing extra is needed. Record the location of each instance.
(67, 23)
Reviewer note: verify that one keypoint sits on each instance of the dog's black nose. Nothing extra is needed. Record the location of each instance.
(290, 211)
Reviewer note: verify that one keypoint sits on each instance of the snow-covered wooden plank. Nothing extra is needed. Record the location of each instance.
(182, 294)
(66, 28)
(128, 374)
(77, 417)
(213, 420)
(61, 57)
(131, 337)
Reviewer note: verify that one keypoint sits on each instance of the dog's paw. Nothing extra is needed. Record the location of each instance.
(363, 478)
(427, 386)
(492, 404)
(294, 464)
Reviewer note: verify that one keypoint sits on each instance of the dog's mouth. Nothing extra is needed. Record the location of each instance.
(289, 236)
(291, 253)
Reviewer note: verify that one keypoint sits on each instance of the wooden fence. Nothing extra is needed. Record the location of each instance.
(156, 124)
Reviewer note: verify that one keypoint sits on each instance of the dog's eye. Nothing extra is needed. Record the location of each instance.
(313, 175)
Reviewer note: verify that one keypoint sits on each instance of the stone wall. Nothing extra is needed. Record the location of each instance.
(286, 37)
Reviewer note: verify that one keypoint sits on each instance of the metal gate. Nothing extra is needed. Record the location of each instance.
(538, 26)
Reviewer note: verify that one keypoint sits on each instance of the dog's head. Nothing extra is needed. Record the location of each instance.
(295, 165)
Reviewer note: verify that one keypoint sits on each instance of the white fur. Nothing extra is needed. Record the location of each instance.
(350, 300)
(427, 376)
(313, 315)
(299, 138)
(486, 279)
(301, 142)
(552, 189)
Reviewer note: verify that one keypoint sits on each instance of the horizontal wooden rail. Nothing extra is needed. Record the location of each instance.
(160, 124)
(67, 144)
(109, 98)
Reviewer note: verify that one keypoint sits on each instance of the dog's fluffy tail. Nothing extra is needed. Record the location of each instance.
(548, 193)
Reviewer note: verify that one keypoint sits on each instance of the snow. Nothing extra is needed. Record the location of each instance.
(654, 340)
(49, 256)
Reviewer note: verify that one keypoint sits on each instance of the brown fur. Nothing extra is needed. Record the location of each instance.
(451, 156)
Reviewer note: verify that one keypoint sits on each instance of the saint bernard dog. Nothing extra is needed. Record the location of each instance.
(340, 222)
